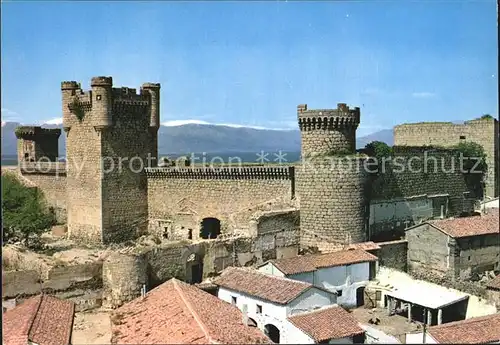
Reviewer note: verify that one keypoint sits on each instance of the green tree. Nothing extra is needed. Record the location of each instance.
(486, 116)
(378, 149)
(24, 216)
(472, 153)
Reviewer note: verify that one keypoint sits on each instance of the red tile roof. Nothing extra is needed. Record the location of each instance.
(267, 287)
(310, 263)
(494, 283)
(179, 313)
(43, 319)
(327, 323)
(469, 226)
(478, 330)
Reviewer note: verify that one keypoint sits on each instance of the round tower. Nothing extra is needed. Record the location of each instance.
(69, 90)
(102, 97)
(124, 276)
(328, 131)
(332, 178)
(153, 89)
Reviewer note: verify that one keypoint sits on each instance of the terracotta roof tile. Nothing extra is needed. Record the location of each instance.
(179, 313)
(469, 226)
(494, 283)
(327, 323)
(267, 287)
(43, 319)
(310, 263)
(478, 330)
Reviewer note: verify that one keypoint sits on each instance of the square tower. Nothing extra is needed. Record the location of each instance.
(111, 136)
(36, 144)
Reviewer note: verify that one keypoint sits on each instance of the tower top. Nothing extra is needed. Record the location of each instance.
(101, 81)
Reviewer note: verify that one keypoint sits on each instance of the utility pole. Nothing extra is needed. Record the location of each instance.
(425, 325)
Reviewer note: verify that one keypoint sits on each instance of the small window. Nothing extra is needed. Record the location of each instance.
(378, 295)
(259, 309)
(98, 97)
(339, 293)
(469, 258)
(462, 137)
(233, 300)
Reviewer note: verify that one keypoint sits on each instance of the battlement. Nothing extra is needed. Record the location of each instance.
(100, 106)
(224, 173)
(25, 132)
(328, 119)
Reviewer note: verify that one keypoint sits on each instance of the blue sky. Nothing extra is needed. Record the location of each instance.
(251, 63)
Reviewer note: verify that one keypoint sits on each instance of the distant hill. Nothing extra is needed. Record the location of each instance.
(209, 138)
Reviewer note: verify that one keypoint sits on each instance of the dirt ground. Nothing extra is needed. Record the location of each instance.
(92, 327)
(395, 325)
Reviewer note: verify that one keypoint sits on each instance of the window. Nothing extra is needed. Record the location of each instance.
(462, 137)
(98, 97)
(233, 300)
(259, 309)
(339, 293)
(469, 258)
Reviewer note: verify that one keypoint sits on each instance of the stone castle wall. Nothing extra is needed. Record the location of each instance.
(186, 196)
(332, 193)
(482, 131)
(111, 133)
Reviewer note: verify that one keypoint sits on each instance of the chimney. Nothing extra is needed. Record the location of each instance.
(244, 311)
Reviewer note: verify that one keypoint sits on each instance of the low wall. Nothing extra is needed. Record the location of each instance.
(56, 279)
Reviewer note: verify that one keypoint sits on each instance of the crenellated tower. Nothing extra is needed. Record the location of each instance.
(332, 177)
(37, 144)
(111, 136)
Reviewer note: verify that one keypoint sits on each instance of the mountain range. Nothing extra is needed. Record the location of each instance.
(187, 138)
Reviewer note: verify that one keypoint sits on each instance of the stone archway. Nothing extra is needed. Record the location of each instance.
(272, 332)
(210, 228)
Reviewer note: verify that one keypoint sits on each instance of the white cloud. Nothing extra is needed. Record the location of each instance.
(56, 121)
(9, 115)
(175, 123)
(423, 94)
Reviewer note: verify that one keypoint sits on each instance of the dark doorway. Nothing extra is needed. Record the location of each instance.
(190, 234)
(210, 228)
(194, 269)
(360, 296)
(273, 333)
(251, 322)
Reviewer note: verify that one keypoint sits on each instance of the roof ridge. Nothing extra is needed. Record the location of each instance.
(33, 317)
(466, 321)
(276, 277)
(315, 310)
(192, 311)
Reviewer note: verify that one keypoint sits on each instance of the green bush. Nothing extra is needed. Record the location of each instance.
(378, 149)
(24, 217)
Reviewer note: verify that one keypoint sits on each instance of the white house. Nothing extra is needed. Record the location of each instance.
(477, 330)
(345, 272)
(269, 301)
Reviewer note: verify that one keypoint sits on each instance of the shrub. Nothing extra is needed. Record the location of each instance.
(24, 216)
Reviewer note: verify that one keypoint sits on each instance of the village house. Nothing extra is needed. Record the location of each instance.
(269, 300)
(39, 320)
(478, 330)
(345, 272)
(179, 313)
(461, 248)
(493, 290)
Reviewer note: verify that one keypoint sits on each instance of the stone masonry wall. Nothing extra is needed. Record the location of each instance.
(484, 132)
(332, 193)
(393, 254)
(424, 172)
(232, 201)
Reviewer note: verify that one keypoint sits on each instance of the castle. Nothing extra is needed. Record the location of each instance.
(111, 190)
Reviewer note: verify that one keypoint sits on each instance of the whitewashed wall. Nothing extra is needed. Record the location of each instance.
(269, 268)
(417, 338)
(310, 300)
(276, 314)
